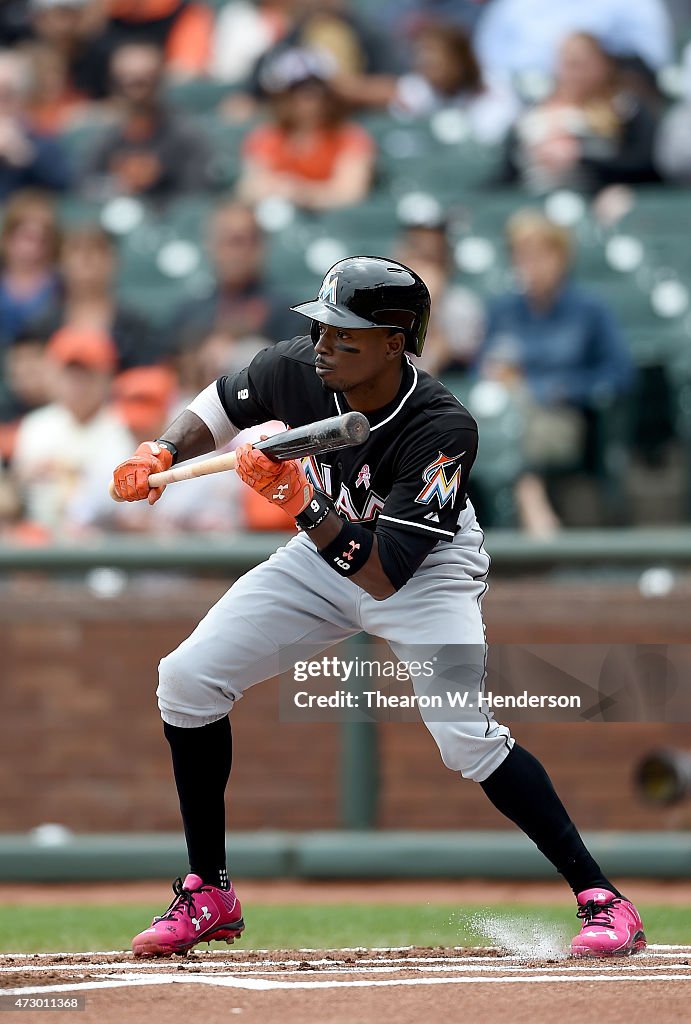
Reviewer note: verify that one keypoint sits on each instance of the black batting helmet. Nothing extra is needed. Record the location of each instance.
(369, 291)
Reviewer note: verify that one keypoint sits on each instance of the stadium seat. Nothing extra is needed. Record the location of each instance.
(657, 212)
(499, 461)
(226, 139)
(197, 95)
(80, 140)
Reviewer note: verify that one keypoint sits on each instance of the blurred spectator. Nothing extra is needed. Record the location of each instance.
(27, 157)
(14, 527)
(345, 37)
(241, 313)
(244, 31)
(673, 145)
(15, 25)
(10, 508)
(26, 377)
(54, 103)
(153, 150)
(404, 18)
(145, 400)
(445, 75)
(76, 435)
(25, 386)
(88, 267)
(29, 247)
(589, 133)
(308, 153)
(456, 324)
(74, 30)
(524, 35)
(561, 352)
(182, 29)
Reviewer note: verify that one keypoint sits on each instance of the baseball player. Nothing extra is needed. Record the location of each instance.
(388, 543)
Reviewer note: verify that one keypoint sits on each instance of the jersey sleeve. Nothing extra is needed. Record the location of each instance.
(429, 492)
(248, 396)
(426, 500)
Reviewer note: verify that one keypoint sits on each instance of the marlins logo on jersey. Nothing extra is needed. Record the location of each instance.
(438, 482)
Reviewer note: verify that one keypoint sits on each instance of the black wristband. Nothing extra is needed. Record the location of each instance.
(348, 552)
(315, 512)
(171, 448)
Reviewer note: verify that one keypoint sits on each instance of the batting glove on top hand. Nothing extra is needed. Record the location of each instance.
(131, 478)
(283, 483)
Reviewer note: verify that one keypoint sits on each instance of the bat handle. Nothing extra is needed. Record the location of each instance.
(113, 493)
(187, 471)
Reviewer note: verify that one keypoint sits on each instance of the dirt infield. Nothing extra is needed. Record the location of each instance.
(408, 985)
(519, 982)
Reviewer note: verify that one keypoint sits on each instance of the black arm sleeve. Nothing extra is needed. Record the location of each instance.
(401, 554)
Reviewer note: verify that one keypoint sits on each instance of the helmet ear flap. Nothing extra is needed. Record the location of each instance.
(314, 332)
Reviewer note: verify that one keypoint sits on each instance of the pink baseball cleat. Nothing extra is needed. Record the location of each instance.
(611, 925)
(199, 913)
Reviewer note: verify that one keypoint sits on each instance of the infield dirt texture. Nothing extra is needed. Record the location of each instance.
(514, 980)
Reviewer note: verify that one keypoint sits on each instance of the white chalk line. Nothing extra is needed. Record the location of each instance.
(440, 964)
(652, 947)
(265, 984)
(292, 968)
(333, 965)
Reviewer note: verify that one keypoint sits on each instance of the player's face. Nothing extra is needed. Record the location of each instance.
(347, 358)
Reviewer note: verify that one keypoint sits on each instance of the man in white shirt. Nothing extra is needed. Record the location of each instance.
(60, 443)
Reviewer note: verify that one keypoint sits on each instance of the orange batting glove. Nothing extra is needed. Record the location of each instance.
(131, 478)
(283, 483)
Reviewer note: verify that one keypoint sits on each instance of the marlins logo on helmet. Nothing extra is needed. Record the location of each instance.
(327, 292)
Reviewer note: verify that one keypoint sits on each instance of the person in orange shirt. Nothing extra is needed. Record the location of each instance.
(184, 29)
(308, 152)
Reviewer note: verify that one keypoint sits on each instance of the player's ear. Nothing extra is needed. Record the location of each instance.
(395, 345)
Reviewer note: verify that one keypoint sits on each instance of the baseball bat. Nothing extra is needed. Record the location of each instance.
(323, 436)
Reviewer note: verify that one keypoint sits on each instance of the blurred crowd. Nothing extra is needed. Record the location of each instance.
(108, 99)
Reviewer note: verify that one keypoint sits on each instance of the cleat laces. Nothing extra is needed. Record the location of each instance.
(597, 913)
(183, 901)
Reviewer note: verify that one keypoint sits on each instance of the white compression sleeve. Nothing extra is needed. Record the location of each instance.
(207, 406)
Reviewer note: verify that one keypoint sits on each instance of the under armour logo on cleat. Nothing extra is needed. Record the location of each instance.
(204, 916)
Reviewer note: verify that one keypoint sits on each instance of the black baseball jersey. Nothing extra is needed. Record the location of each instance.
(407, 481)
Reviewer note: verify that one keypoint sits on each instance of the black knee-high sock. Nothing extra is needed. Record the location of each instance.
(201, 764)
(521, 789)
